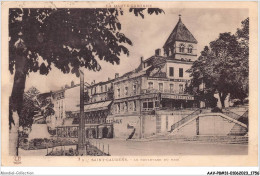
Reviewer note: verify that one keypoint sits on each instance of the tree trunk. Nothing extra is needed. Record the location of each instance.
(16, 102)
(222, 97)
(242, 101)
(13, 135)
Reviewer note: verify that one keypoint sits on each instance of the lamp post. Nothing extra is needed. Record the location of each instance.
(81, 136)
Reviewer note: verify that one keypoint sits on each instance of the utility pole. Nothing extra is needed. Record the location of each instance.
(81, 136)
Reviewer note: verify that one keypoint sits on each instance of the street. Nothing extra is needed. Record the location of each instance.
(118, 147)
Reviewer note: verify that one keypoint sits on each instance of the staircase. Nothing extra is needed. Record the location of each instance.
(234, 131)
(211, 139)
(244, 118)
(231, 114)
(241, 118)
(185, 119)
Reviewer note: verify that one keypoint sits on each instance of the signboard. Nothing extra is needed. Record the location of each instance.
(178, 97)
(118, 121)
(165, 79)
(149, 96)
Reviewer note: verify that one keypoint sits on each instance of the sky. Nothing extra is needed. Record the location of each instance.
(147, 35)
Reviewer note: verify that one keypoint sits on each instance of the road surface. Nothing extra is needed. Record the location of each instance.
(165, 147)
(118, 147)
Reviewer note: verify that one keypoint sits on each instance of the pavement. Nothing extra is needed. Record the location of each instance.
(122, 147)
(119, 147)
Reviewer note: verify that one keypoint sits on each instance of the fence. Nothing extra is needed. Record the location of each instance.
(93, 148)
(100, 146)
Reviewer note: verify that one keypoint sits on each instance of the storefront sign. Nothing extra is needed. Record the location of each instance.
(164, 79)
(178, 97)
(149, 96)
(118, 121)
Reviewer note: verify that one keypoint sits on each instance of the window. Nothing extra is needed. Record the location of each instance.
(190, 49)
(134, 89)
(150, 85)
(125, 106)
(134, 105)
(171, 88)
(126, 91)
(148, 104)
(95, 90)
(117, 108)
(105, 88)
(171, 71)
(181, 88)
(160, 86)
(101, 87)
(145, 105)
(181, 49)
(181, 72)
(157, 102)
(118, 92)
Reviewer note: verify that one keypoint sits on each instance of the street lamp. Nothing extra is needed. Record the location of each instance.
(81, 135)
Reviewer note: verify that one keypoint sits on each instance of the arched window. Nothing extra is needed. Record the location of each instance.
(182, 48)
(190, 49)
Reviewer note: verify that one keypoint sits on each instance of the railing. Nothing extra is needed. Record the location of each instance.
(92, 148)
(185, 119)
(100, 146)
(244, 118)
(241, 118)
(245, 115)
(231, 114)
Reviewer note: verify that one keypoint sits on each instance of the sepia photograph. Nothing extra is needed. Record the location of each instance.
(128, 80)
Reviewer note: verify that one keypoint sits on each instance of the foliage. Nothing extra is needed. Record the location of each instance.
(223, 67)
(216, 109)
(68, 38)
(29, 107)
(33, 104)
(64, 38)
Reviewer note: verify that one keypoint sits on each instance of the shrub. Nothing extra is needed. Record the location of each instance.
(216, 109)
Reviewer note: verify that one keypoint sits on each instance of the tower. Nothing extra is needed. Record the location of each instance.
(181, 44)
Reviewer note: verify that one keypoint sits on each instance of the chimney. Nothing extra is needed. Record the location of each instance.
(116, 75)
(142, 62)
(72, 84)
(158, 52)
(108, 79)
(93, 82)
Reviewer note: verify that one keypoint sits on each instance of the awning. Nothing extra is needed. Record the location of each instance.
(97, 106)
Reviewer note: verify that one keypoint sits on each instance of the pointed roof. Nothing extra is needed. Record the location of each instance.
(180, 33)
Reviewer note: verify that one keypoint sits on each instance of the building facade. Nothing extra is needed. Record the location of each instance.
(145, 99)
(151, 99)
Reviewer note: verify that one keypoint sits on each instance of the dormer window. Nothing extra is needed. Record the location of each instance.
(181, 49)
(190, 49)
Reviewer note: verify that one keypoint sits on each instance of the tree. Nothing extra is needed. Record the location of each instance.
(242, 87)
(29, 107)
(64, 38)
(223, 67)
